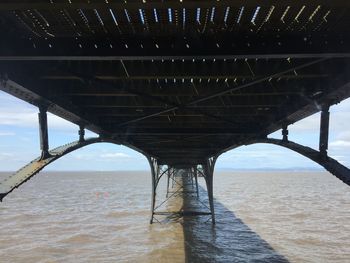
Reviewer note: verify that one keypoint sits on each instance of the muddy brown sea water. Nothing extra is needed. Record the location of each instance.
(104, 217)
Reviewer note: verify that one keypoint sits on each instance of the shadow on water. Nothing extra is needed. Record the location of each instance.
(230, 240)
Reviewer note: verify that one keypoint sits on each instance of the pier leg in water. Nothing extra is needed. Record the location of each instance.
(196, 180)
(208, 168)
(191, 176)
(172, 179)
(168, 181)
(155, 171)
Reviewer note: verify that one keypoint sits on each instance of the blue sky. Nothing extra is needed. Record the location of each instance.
(19, 143)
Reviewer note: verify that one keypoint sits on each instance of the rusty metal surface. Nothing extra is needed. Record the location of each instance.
(12, 181)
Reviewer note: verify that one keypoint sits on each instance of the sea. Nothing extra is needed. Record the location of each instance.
(268, 216)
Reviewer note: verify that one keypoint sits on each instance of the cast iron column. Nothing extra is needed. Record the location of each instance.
(81, 133)
(196, 180)
(285, 132)
(324, 131)
(43, 132)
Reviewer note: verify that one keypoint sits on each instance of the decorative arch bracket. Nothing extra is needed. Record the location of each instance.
(331, 165)
(13, 181)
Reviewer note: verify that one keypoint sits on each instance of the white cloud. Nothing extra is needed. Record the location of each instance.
(7, 134)
(16, 112)
(339, 119)
(29, 118)
(17, 117)
(308, 124)
(97, 155)
(344, 136)
(5, 156)
(338, 157)
(83, 156)
(114, 155)
(261, 153)
(340, 144)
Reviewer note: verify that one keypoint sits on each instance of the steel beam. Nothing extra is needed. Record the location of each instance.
(189, 131)
(162, 100)
(161, 5)
(202, 48)
(225, 91)
(188, 77)
(13, 181)
(174, 57)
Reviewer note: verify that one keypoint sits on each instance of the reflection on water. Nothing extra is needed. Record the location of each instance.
(230, 240)
(103, 217)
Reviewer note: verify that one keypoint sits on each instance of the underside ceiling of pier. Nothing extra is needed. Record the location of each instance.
(179, 80)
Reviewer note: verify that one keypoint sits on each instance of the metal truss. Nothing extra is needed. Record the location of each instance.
(13, 181)
(189, 179)
(204, 168)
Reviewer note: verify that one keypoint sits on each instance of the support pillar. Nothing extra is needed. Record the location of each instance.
(191, 177)
(324, 131)
(168, 182)
(43, 132)
(173, 179)
(209, 172)
(81, 133)
(285, 133)
(196, 180)
(155, 172)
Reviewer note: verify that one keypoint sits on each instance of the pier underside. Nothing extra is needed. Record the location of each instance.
(179, 81)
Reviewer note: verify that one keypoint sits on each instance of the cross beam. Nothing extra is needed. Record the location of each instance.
(225, 91)
(163, 5)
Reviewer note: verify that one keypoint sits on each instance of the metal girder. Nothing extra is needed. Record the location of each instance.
(188, 131)
(160, 5)
(223, 92)
(282, 55)
(13, 181)
(164, 101)
(201, 106)
(22, 50)
(178, 78)
(187, 94)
